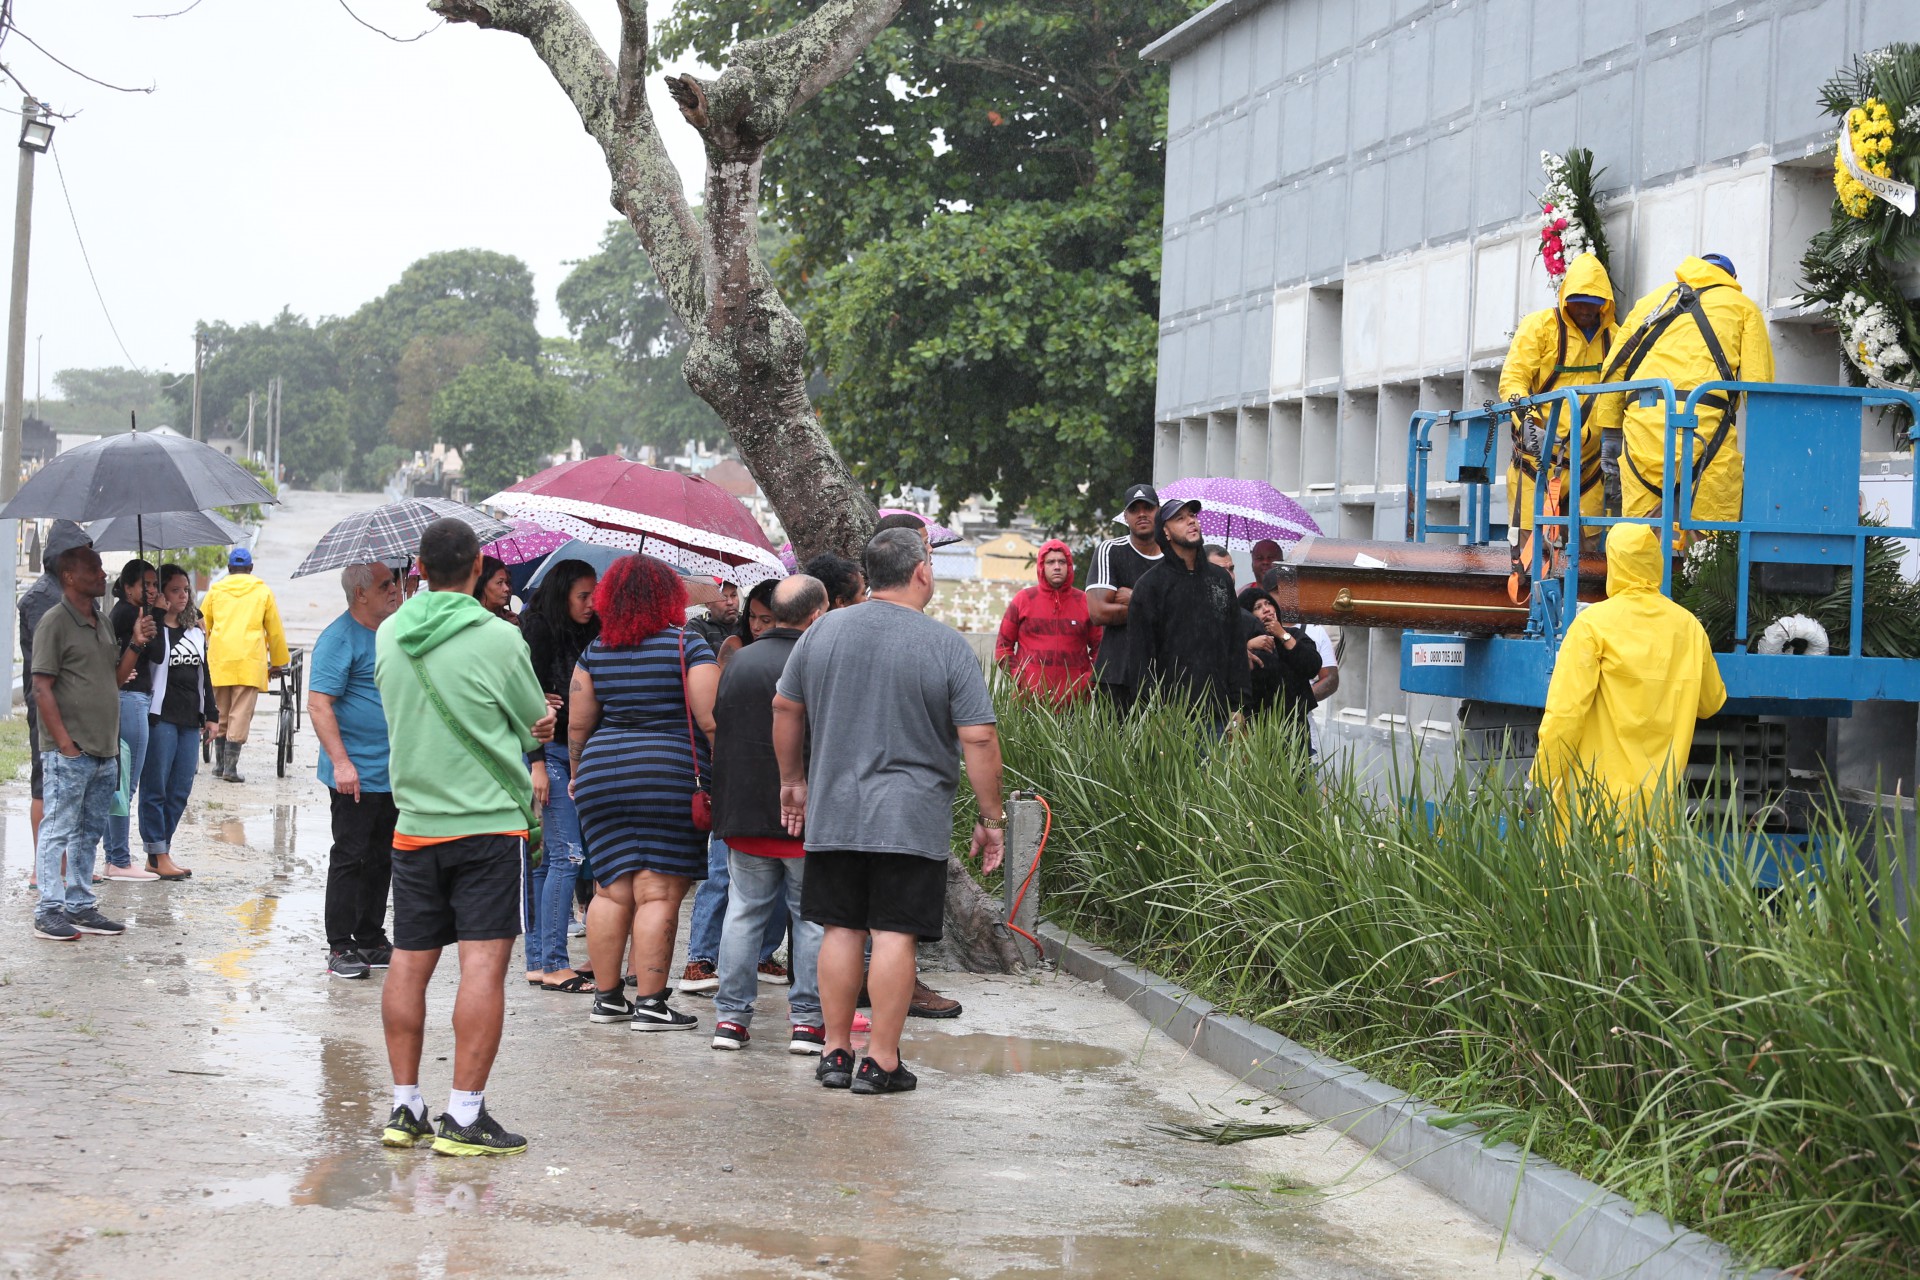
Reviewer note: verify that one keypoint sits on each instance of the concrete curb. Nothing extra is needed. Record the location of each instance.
(1569, 1220)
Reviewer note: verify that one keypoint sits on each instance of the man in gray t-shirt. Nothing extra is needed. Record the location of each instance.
(891, 700)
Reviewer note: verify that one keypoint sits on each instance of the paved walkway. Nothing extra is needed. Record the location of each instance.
(198, 1098)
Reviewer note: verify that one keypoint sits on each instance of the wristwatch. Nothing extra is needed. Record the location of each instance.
(994, 824)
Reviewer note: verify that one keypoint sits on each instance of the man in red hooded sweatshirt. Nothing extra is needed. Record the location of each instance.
(1046, 640)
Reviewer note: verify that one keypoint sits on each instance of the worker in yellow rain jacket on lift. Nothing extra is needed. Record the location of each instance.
(1561, 346)
(1632, 677)
(1701, 328)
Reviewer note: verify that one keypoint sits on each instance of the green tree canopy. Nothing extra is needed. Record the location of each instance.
(100, 399)
(459, 293)
(974, 215)
(614, 306)
(505, 418)
(247, 358)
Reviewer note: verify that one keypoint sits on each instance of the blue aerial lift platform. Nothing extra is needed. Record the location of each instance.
(1801, 508)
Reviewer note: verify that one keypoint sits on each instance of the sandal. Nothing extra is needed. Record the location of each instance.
(578, 984)
(536, 982)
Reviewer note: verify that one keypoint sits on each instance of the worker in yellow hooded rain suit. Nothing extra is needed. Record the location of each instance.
(1701, 328)
(1565, 345)
(1633, 675)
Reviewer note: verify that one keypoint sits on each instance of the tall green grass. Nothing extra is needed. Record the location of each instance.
(1747, 1066)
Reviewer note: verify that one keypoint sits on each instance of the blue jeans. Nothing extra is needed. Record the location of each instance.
(710, 909)
(764, 889)
(133, 732)
(173, 758)
(551, 885)
(78, 793)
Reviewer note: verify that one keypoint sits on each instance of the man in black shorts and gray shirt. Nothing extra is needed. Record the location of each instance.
(1117, 565)
(884, 692)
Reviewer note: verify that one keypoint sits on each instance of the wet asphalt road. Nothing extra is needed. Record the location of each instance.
(198, 1098)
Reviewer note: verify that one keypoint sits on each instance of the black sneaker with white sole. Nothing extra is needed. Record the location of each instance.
(380, 957)
(730, 1035)
(835, 1070)
(655, 1014)
(610, 1006)
(91, 921)
(871, 1079)
(347, 964)
(53, 926)
(806, 1040)
(484, 1137)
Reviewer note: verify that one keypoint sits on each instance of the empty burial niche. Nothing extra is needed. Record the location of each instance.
(1324, 307)
(1397, 404)
(1356, 520)
(1193, 446)
(1359, 439)
(1320, 441)
(1220, 434)
(1250, 444)
(1283, 447)
(1444, 511)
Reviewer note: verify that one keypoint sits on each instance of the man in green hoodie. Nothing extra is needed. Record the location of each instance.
(463, 709)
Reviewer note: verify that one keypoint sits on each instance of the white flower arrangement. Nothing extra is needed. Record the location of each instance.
(1563, 236)
(1871, 339)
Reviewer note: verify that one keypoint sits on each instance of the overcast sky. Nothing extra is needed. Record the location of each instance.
(288, 156)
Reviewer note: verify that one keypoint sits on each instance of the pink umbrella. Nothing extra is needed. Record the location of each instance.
(687, 521)
(1240, 513)
(938, 535)
(528, 541)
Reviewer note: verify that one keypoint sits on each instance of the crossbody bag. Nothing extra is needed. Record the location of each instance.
(480, 757)
(702, 805)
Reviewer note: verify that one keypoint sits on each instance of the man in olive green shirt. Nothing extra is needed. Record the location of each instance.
(78, 668)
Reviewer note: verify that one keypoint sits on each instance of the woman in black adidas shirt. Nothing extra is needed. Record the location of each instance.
(182, 716)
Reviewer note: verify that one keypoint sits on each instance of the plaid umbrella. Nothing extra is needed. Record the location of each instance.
(392, 533)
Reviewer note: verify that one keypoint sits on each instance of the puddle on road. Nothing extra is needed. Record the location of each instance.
(978, 1053)
(1115, 1256)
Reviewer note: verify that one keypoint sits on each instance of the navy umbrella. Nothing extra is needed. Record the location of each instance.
(701, 589)
(132, 474)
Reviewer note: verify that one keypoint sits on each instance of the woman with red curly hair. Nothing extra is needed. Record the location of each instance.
(637, 696)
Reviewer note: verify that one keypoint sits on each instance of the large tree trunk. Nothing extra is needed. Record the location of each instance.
(748, 354)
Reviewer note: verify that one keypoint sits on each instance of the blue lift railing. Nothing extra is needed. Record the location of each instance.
(1801, 502)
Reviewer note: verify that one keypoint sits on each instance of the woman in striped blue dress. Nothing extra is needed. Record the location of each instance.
(637, 737)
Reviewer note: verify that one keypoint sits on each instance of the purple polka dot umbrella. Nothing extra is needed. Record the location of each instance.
(1240, 513)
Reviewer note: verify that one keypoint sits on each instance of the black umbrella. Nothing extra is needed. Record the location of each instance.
(135, 473)
(176, 529)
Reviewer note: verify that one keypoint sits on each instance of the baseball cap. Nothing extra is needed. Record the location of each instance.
(239, 558)
(1174, 506)
(1140, 493)
(1721, 261)
(1587, 297)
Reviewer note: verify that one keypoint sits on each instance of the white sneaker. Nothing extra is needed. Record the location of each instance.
(129, 873)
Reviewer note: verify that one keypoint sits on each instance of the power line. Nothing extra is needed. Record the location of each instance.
(120, 89)
(176, 13)
(388, 34)
(84, 257)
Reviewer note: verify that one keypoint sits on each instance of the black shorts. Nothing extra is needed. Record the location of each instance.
(891, 892)
(466, 890)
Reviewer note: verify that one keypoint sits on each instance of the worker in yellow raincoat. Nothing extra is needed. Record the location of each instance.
(1633, 675)
(245, 645)
(1700, 328)
(1561, 346)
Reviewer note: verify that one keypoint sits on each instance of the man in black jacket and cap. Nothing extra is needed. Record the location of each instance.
(764, 861)
(1184, 622)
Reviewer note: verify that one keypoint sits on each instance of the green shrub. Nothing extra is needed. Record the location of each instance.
(1744, 1064)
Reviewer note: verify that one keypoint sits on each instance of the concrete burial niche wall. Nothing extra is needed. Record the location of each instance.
(1350, 227)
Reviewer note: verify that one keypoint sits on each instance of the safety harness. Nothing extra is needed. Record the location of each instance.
(1684, 300)
(1529, 439)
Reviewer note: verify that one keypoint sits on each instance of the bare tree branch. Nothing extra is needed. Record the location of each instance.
(824, 45)
(612, 104)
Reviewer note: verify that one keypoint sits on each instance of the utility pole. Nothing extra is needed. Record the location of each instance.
(199, 343)
(250, 419)
(35, 136)
(279, 391)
